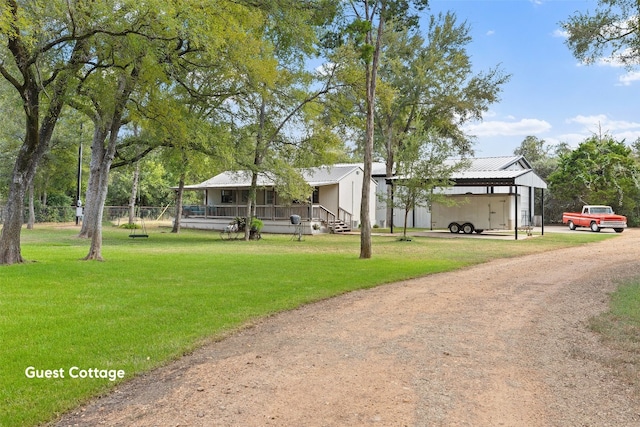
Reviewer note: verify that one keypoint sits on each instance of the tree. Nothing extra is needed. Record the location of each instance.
(423, 166)
(365, 33)
(430, 81)
(41, 48)
(280, 108)
(543, 162)
(613, 30)
(600, 171)
(171, 47)
(11, 135)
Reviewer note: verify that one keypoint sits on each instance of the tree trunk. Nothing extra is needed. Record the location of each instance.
(406, 220)
(371, 76)
(251, 205)
(24, 170)
(134, 194)
(95, 251)
(91, 205)
(10, 252)
(102, 165)
(257, 163)
(365, 215)
(179, 194)
(37, 134)
(32, 210)
(390, 148)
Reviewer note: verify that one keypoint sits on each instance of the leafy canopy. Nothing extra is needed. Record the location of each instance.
(600, 171)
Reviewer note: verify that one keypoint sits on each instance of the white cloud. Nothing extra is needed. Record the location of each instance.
(522, 127)
(610, 61)
(561, 34)
(603, 122)
(490, 33)
(630, 77)
(573, 139)
(628, 136)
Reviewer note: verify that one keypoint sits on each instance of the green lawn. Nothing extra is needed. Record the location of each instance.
(154, 299)
(620, 329)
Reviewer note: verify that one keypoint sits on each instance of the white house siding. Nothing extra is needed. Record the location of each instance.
(328, 197)
(351, 193)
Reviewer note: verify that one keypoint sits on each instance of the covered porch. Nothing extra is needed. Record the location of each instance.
(315, 218)
(334, 204)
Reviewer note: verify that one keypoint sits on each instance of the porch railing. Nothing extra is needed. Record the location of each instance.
(272, 212)
(345, 216)
(232, 211)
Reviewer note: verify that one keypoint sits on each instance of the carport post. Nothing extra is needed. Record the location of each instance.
(542, 214)
(516, 215)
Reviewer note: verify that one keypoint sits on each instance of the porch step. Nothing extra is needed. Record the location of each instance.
(338, 226)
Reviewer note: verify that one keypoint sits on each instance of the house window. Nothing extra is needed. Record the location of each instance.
(270, 197)
(315, 197)
(244, 196)
(227, 196)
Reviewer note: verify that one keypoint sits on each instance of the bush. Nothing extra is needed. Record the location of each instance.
(256, 224)
(128, 226)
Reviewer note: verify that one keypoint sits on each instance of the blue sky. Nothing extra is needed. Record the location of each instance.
(550, 94)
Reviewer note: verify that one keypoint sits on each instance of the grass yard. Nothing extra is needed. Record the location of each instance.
(620, 328)
(155, 299)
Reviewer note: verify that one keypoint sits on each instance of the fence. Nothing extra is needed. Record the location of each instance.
(110, 213)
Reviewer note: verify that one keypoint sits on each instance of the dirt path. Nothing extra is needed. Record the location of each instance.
(500, 344)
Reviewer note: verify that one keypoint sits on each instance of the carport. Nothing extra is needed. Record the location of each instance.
(513, 179)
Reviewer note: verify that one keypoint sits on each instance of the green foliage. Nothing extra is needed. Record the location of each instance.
(154, 185)
(59, 209)
(599, 171)
(422, 167)
(132, 226)
(431, 80)
(612, 30)
(358, 30)
(257, 224)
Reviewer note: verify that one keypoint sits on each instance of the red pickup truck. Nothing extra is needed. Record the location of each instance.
(595, 217)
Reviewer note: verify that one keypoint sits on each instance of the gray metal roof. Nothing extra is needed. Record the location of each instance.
(483, 171)
(495, 163)
(470, 178)
(316, 177)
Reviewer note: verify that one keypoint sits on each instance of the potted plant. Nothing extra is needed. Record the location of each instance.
(256, 227)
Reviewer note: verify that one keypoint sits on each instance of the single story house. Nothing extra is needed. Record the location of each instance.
(334, 205)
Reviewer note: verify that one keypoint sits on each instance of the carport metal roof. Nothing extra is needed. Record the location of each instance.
(525, 178)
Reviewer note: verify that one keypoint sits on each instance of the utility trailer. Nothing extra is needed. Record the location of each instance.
(469, 213)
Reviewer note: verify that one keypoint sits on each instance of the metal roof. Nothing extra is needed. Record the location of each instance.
(483, 171)
(526, 178)
(316, 177)
(494, 163)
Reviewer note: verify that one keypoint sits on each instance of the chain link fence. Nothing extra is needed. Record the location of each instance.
(115, 214)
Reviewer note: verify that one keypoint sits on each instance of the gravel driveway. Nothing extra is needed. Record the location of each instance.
(499, 344)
